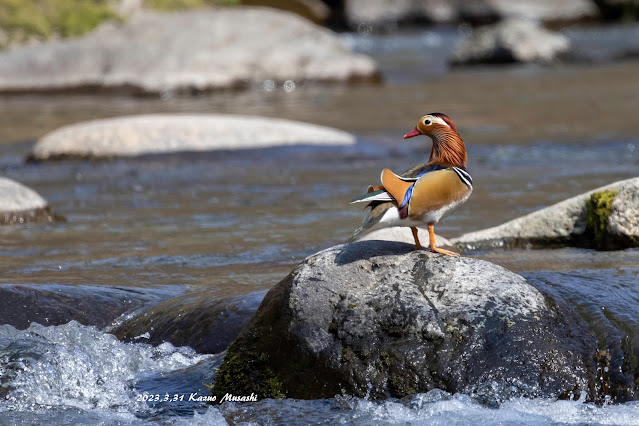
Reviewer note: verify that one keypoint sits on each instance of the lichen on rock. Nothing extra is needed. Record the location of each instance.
(598, 209)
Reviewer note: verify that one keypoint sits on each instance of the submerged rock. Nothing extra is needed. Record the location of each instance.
(201, 321)
(50, 304)
(20, 204)
(221, 48)
(565, 223)
(378, 319)
(513, 40)
(165, 133)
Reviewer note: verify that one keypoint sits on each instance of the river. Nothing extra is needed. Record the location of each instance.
(237, 222)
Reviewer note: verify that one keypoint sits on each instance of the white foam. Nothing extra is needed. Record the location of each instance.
(75, 366)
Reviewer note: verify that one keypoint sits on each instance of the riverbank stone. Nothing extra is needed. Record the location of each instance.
(514, 40)
(604, 218)
(165, 133)
(20, 204)
(214, 49)
(202, 321)
(379, 319)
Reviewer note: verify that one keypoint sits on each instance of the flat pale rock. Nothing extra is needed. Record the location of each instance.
(20, 204)
(562, 224)
(161, 134)
(189, 51)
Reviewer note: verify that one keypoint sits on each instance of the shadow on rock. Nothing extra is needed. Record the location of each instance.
(364, 250)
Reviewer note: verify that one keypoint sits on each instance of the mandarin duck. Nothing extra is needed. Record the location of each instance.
(424, 194)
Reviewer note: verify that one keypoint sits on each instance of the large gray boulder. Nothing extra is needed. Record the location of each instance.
(510, 41)
(604, 222)
(221, 48)
(166, 133)
(20, 204)
(379, 319)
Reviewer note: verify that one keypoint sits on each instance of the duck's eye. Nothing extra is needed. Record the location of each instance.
(427, 122)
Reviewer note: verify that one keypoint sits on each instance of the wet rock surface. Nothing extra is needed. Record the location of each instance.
(202, 321)
(165, 133)
(51, 304)
(20, 204)
(565, 224)
(381, 320)
(514, 40)
(224, 48)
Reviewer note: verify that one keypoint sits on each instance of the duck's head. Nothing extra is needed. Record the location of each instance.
(448, 146)
(432, 125)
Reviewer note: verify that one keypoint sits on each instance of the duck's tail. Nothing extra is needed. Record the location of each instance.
(373, 218)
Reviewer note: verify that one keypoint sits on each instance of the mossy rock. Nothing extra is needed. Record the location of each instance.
(187, 4)
(598, 209)
(248, 373)
(25, 20)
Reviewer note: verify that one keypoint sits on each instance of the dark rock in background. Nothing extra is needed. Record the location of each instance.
(389, 14)
(511, 41)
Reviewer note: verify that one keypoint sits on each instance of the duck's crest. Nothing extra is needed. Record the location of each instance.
(446, 118)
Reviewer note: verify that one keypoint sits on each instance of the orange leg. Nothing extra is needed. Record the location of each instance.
(418, 246)
(433, 244)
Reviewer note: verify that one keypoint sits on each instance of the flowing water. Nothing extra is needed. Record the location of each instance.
(236, 222)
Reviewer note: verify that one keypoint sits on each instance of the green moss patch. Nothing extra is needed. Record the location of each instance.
(24, 20)
(598, 209)
(188, 4)
(244, 373)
